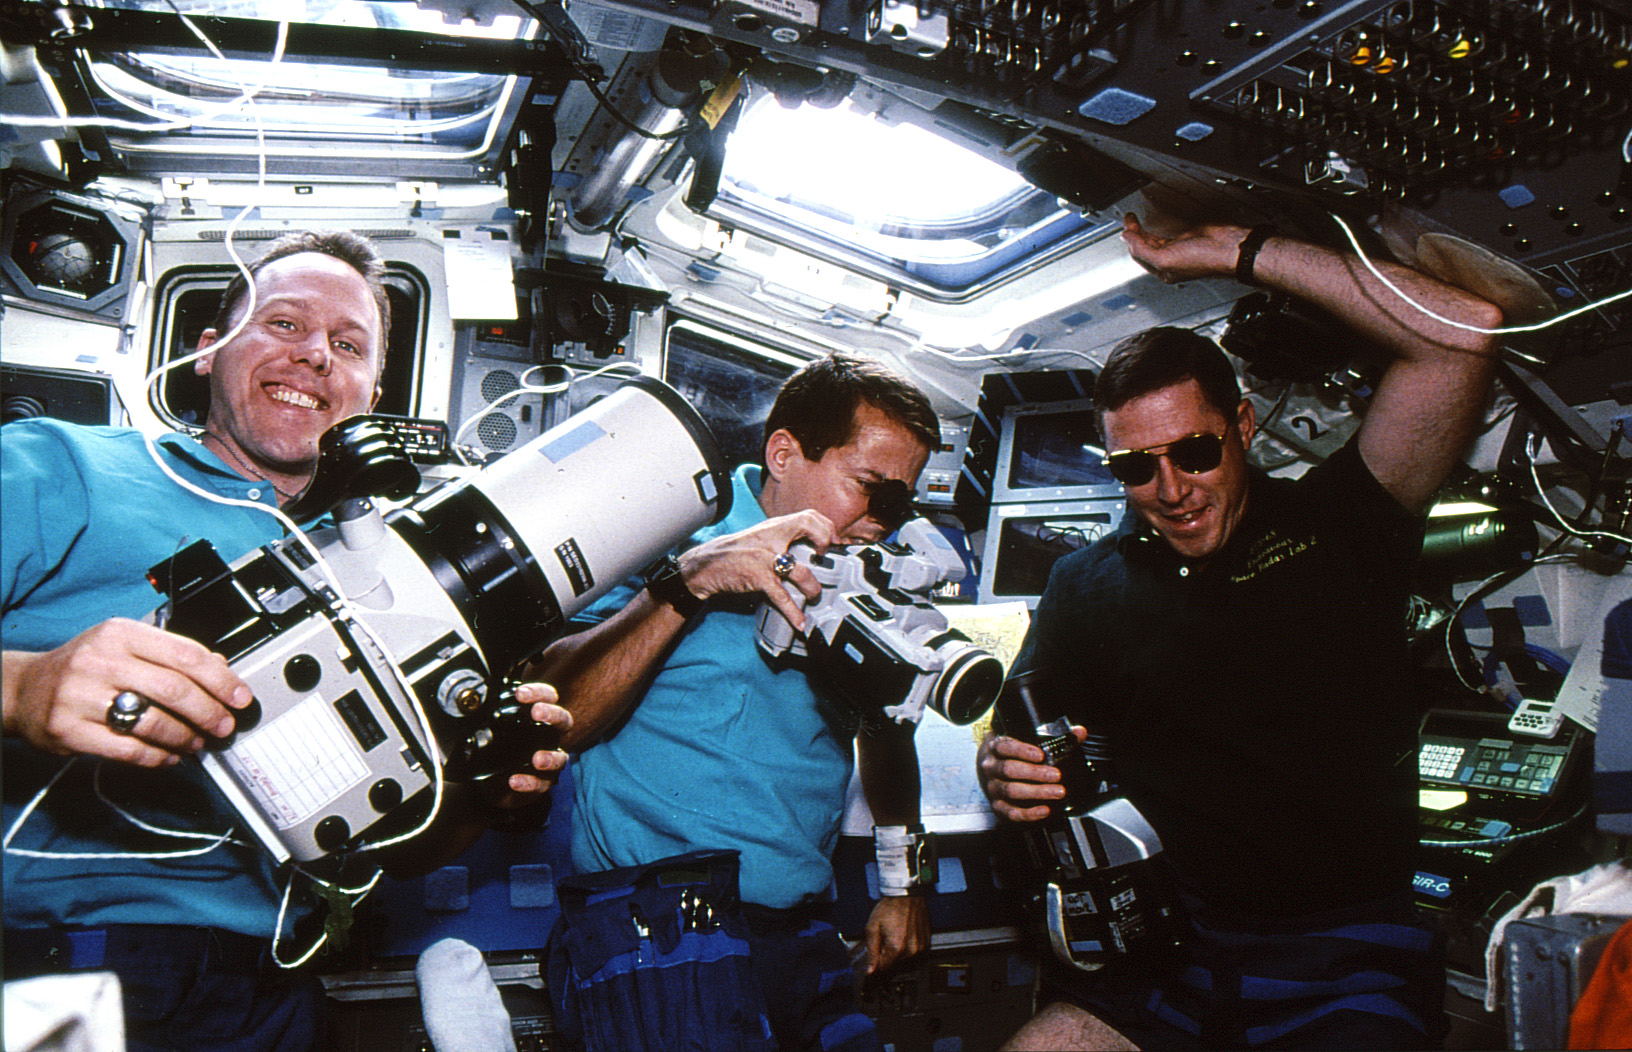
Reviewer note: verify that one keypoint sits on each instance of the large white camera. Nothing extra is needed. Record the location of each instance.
(875, 639)
(381, 667)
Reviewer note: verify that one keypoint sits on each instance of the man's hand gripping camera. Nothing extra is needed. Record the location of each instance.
(874, 638)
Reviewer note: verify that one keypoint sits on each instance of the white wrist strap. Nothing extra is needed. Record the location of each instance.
(906, 859)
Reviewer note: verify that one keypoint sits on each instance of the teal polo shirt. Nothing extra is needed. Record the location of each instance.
(724, 750)
(84, 512)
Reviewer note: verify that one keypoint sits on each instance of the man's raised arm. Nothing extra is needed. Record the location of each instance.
(1432, 395)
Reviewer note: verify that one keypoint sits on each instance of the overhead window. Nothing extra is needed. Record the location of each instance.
(310, 110)
(894, 199)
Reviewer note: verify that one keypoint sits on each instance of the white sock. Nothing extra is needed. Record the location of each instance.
(463, 1011)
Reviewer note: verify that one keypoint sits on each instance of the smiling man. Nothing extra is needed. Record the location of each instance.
(693, 740)
(309, 355)
(1240, 643)
(180, 912)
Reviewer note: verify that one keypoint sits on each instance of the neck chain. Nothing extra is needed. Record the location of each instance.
(225, 445)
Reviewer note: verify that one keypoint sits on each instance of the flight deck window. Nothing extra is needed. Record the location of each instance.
(731, 384)
(188, 298)
(895, 200)
(328, 115)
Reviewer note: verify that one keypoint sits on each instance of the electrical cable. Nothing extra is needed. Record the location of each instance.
(343, 603)
(376, 125)
(1510, 838)
(153, 453)
(39, 797)
(686, 128)
(1532, 448)
(246, 97)
(1549, 323)
(524, 388)
(1274, 411)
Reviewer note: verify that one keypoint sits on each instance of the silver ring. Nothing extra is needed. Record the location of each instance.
(782, 565)
(124, 711)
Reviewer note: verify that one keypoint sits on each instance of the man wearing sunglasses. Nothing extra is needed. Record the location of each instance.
(1240, 642)
(689, 739)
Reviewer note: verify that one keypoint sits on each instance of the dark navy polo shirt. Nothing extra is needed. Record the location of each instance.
(1258, 707)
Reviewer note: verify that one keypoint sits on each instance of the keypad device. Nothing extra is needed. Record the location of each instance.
(1492, 764)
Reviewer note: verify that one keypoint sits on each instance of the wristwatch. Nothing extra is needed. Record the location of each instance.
(666, 585)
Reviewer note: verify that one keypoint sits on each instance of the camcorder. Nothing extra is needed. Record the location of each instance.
(382, 665)
(1099, 893)
(875, 640)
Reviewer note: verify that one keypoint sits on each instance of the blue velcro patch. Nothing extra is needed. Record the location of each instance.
(1115, 106)
(1516, 196)
(532, 887)
(1195, 131)
(561, 448)
(447, 889)
(1531, 610)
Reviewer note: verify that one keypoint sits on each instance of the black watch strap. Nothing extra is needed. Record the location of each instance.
(666, 585)
(1248, 254)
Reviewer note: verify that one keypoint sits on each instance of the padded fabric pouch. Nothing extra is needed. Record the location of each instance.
(656, 957)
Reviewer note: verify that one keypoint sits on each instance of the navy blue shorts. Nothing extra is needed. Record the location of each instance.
(803, 968)
(1368, 977)
(185, 989)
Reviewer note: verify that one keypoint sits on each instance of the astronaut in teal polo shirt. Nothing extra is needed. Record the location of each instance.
(185, 920)
(689, 739)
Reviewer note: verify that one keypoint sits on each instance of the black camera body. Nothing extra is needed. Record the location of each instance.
(1099, 893)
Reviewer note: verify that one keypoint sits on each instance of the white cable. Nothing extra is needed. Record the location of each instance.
(1549, 323)
(342, 601)
(246, 97)
(353, 620)
(34, 803)
(523, 387)
(363, 890)
(277, 931)
(96, 786)
(1533, 447)
(953, 356)
(378, 126)
(153, 453)
(283, 906)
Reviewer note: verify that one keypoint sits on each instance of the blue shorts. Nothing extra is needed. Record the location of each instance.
(1366, 977)
(185, 989)
(803, 968)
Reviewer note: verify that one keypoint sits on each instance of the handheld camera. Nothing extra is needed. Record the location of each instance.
(874, 638)
(1101, 900)
(388, 657)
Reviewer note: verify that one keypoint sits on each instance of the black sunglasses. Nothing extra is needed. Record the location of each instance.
(1192, 454)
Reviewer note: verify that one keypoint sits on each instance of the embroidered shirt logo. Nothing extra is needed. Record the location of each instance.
(1270, 549)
